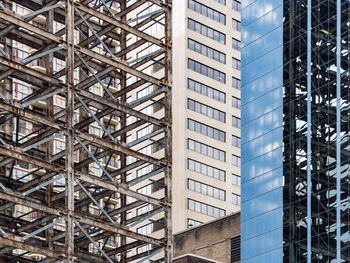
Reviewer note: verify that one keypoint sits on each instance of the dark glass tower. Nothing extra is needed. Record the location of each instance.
(295, 132)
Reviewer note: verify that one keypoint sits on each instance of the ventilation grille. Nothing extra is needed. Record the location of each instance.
(235, 249)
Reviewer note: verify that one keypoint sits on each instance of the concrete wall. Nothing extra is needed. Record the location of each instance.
(211, 240)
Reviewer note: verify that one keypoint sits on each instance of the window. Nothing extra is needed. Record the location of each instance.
(236, 103)
(236, 180)
(206, 170)
(206, 189)
(236, 161)
(144, 170)
(152, 187)
(206, 110)
(58, 146)
(152, 148)
(146, 190)
(192, 223)
(236, 44)
(206, 90)
(145, 91)
(207, 11)
(206, 150)
(206, 130)
(144, 249)
(206, 71)
(236, 25)
(206, 51)
(236, 83)
(205, 209)
(206, 31)
(144, 209)
(236, 64)
(20, 91)
(95, 131)
(144, 131)
(236, 141)
(223, 2)
(236, 5)
(146, 229)
(236, 122)
(236, 199)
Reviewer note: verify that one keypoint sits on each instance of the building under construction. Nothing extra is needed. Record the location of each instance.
(85, 131)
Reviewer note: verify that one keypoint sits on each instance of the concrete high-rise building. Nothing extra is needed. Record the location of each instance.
(206, 110)
(295, 126)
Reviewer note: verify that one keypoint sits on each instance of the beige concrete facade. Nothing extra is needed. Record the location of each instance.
(181, 133)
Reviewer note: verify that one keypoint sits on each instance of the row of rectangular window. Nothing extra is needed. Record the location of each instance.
(236, 199)
(236, 44)
(206, 71)
(206, 51)
(206, 170)
(236, 141)
(205, 209)
(236, 83)
(206, 189)
(236, 180)
(206, 31)
(206, 150)
(206, 90)
(223, 2)
(236, 64)
(207, 11)
(236, 122)
(206, 110)
(206, 130)
(236, 5)
(236, 25)
(236, 160)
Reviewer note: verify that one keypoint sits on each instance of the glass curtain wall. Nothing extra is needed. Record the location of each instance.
(295, 131)
(295, 206)
(262, 129)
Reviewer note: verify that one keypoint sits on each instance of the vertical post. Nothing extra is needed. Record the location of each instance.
(49, 233)
(69, 135)
(309, 88)
(338, 127)
(8, 126)
(168, 137)
(123, 125)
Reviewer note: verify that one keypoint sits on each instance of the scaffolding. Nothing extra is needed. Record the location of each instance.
(85, 131)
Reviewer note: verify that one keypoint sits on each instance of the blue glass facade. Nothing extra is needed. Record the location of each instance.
(262, 130)
(295, 131)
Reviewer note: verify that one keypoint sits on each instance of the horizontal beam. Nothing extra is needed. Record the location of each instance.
(16, 20)
(119, 189)
(120, 107)
(116, 21)
(24, 246)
